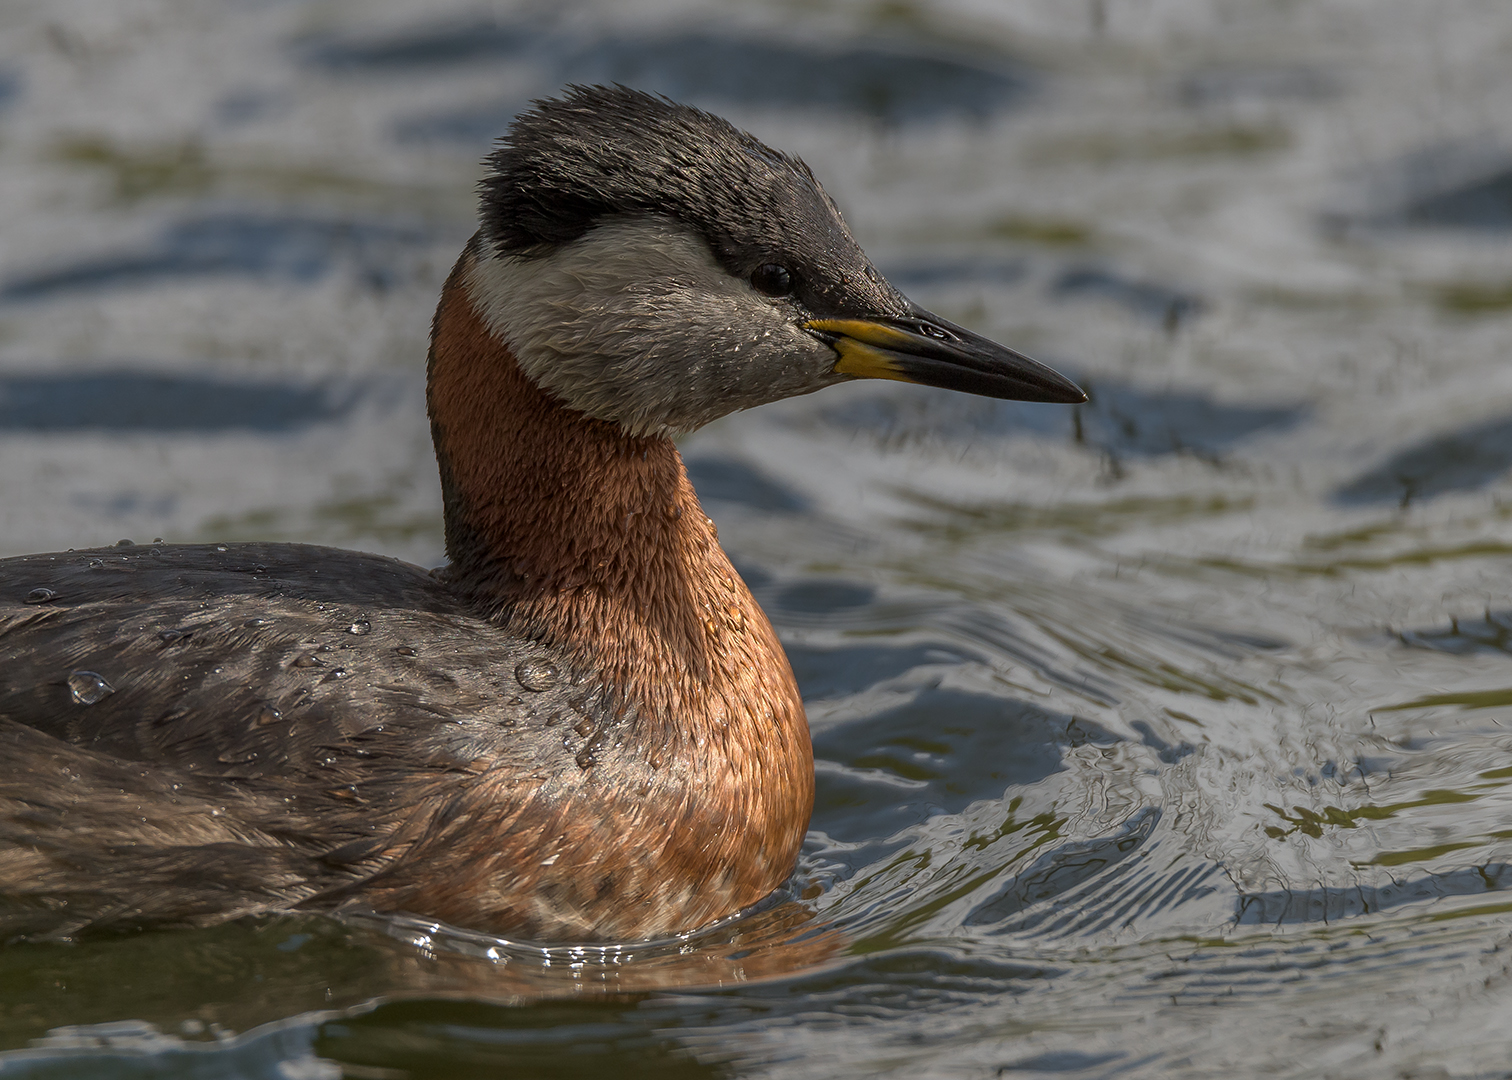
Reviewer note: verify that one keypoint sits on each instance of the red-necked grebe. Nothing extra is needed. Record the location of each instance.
(584, 728)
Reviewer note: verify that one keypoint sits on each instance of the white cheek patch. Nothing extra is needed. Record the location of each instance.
(637, 323)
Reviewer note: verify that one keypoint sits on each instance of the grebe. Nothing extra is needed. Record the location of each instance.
(583, 728)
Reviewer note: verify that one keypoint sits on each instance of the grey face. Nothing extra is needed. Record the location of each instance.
(636, 322)
(651, 265)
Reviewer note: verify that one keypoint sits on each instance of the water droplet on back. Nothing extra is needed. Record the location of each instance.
(40, 596)
(125, 543)
(88, 687)
(220, 547)
(537, 675)
(268, 714)
(254, 623)
(404, 650)
(170, 635)
(359, 627)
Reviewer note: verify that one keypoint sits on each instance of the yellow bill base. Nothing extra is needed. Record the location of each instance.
(855, 346)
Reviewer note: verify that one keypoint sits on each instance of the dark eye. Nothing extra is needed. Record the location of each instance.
(772, 279)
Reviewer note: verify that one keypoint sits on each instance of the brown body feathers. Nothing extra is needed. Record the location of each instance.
(584, 730)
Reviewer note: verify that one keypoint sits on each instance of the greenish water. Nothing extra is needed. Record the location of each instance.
(1170, 735)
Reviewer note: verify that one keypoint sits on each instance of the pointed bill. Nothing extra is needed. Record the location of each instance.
(924, 348)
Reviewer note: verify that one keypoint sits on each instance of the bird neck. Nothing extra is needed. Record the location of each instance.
(565, 529)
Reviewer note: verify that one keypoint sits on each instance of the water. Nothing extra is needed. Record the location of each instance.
(1162, 736)
(88, 687)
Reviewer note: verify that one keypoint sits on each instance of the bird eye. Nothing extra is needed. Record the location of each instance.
(772, 279)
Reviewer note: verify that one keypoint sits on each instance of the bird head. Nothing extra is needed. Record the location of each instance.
(652, 265)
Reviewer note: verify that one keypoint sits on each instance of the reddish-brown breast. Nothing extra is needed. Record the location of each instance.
(568, 531)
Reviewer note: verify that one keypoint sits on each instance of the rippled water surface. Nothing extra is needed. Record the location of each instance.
(1169, 735)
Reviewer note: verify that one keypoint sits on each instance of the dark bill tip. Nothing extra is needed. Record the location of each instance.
(925, 349)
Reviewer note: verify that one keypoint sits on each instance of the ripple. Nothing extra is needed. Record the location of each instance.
(891, 80)
(128, 400)
(292, 248)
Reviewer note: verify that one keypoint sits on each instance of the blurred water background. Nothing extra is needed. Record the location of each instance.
(1165, 736)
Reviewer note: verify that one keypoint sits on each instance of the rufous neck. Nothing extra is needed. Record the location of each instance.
(566, 530)
(560, 526)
